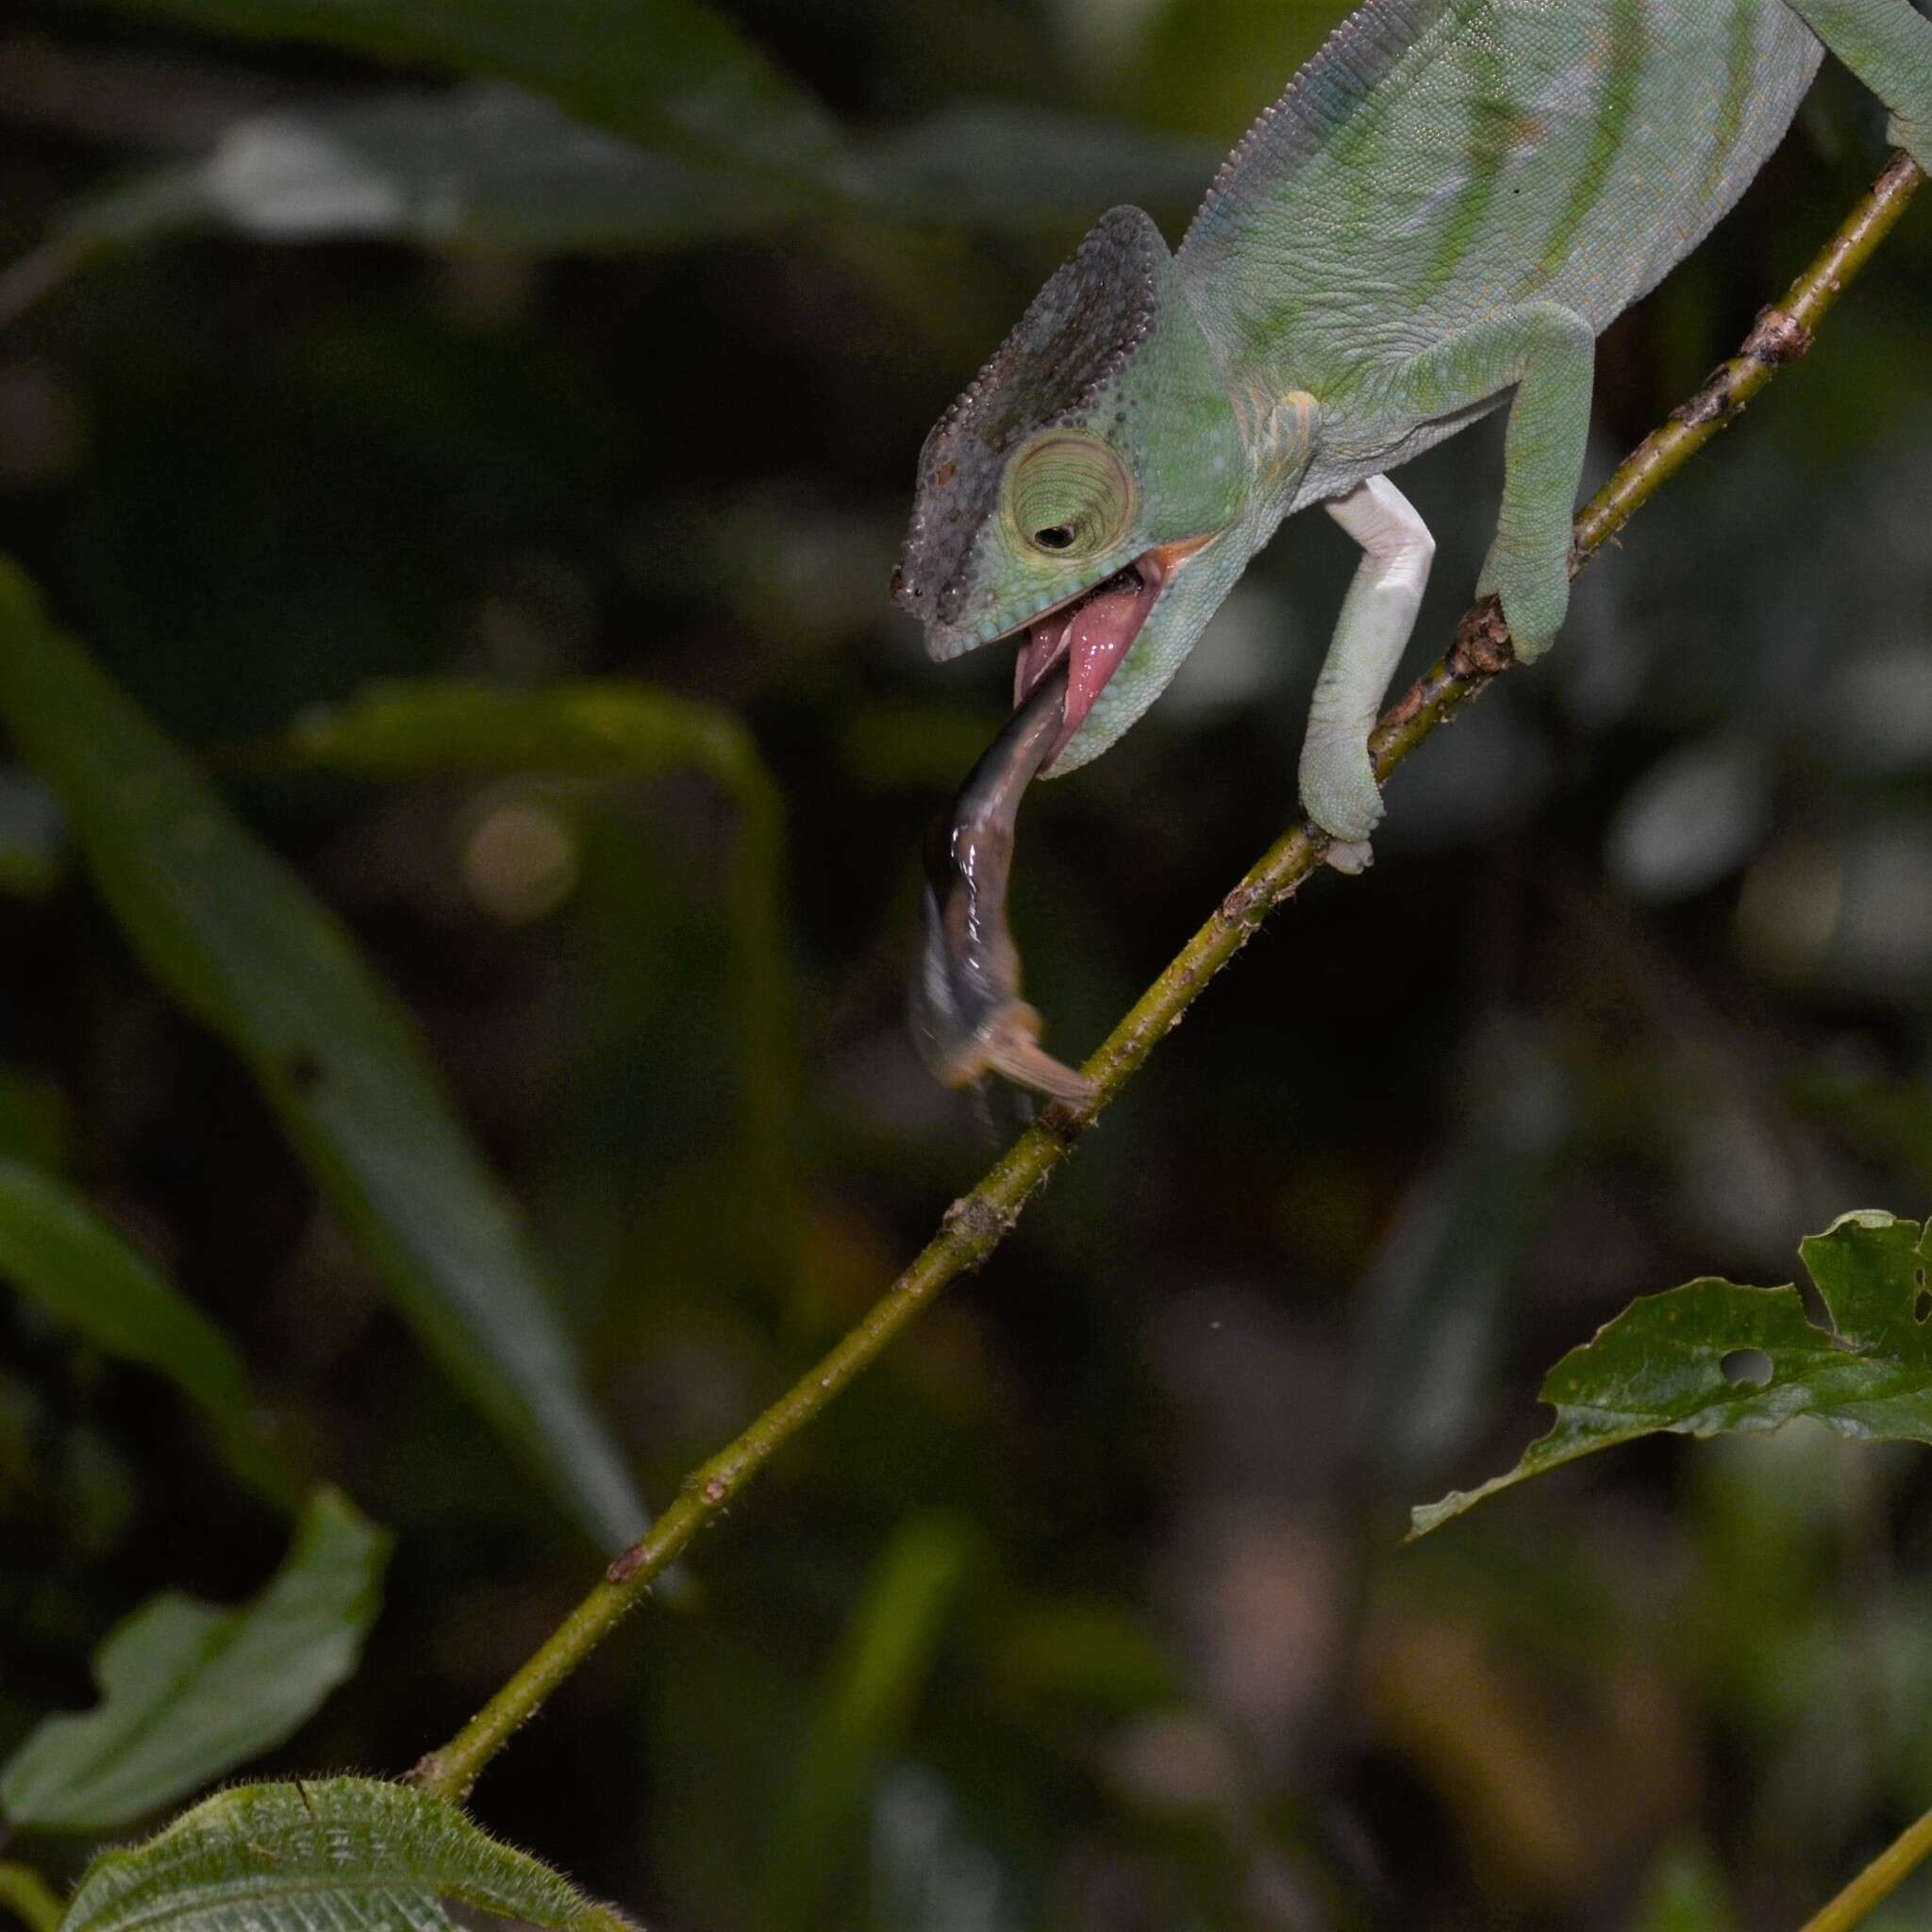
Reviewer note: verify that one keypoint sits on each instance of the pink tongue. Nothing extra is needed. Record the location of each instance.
(1097, 634)
(1037, 653)
(1101, 630)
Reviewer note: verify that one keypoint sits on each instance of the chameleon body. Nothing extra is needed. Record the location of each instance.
(1448, 205)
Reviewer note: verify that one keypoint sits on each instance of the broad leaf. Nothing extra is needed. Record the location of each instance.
(189, 1692)
(319, 1856)
(32, 836)
(595, 729)
(497, 167)
(487, 167)
(238, 939)
(1711, 1358)
(888, 1654)
(656, 71)
(608, 729)
(54, 1247)
(1008, 168)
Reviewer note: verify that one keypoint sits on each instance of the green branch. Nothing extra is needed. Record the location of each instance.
(1877, 1881)
(974, 1226)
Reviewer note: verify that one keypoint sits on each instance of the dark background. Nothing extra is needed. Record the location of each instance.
(1089, 1608)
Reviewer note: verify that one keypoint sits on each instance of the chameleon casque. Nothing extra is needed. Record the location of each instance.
(1451, 201)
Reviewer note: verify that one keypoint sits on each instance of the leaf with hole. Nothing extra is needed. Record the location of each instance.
(320, 1855)
(1713, 1358)
(189, 1692)
(55, 1248)
(237, 938)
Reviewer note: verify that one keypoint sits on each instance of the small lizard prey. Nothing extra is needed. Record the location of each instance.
(968, 1017)
(1450, 203)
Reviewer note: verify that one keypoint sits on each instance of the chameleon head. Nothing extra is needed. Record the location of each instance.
(1074, 501)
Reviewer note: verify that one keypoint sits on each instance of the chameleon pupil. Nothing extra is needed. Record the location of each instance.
(1059, 538)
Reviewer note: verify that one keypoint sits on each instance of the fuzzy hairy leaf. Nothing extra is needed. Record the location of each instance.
(1713, 1358)
(54, 1247)
(318, 1857)
(189, 1692)
(231, 931)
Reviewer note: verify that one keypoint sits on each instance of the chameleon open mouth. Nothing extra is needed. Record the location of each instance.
(1093, 633)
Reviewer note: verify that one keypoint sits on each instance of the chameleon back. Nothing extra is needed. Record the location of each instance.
(1440, 160)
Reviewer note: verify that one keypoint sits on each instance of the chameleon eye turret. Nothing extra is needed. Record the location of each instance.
(1069, 496)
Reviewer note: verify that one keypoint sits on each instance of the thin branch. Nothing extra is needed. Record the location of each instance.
(974, 1226)
(1877, 1881)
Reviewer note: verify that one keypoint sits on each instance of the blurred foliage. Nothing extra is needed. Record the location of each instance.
(243, 946)
(592, 391)
(54, 1248)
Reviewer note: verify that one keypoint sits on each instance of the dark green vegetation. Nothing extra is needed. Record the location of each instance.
(458, 859)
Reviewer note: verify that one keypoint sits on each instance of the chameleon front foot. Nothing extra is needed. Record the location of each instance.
(1915, 137)
(968, 1017)
(1350, 855)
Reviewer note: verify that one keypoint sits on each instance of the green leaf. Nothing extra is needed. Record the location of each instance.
(489, 167)
(1009, 168)
(496, 167)
(316, 1856)
(54, 1247)
(234, 934)
(1685, 1893)
(656, 71)
(888, 1654)
(594, 730)
(32, 836)
(608, 729)
(1711, 1358)
(189, 1692)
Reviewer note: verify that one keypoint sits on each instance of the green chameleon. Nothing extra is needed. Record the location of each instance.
(1450, 202)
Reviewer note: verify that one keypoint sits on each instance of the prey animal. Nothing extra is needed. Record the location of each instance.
(1436, 219)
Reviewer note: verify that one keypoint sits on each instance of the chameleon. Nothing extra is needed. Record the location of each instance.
(1453, 199)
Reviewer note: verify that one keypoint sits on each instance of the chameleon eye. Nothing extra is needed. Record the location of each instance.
(1069, 496)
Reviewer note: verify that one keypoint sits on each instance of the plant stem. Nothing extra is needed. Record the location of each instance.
(1877, 1881)
(976, 1224)
(25, 1894)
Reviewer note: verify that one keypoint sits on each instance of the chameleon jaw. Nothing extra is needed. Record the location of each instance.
(1092, 633)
